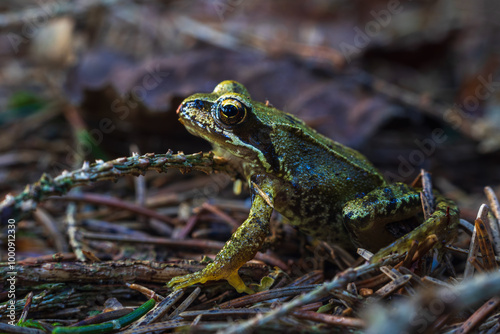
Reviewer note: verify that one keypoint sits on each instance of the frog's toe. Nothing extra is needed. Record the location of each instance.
(185, 281)
(236, 282)
(180, 282)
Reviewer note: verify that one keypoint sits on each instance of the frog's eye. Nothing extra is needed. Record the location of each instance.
(230, 111)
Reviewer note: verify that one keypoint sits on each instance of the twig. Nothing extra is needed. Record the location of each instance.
(47, 222)
(479, 315)
(117, 203)
(222, 215)
(185, 304)
(160, 310)
(410, 316)
(110, 325)
(335, 320)
(493, 201)
(5, 328)
(76, 245)
(339, 281)
(485, 244)
(474, 247)
(21, 205)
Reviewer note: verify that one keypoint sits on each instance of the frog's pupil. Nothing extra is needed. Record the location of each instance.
(230, 111)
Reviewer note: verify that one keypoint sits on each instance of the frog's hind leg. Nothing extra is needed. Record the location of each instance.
(382, 215)
(442, 223)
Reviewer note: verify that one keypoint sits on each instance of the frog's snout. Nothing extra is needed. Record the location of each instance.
(179, 108)
(179, 113)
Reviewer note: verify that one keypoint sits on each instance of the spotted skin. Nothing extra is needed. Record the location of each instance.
(327, 190)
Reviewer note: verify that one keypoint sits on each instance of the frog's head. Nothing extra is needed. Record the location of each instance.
(232, 121)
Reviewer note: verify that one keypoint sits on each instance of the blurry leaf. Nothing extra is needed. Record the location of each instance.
(20, 105)
(265, 284)
(86, 140)
(30, 323)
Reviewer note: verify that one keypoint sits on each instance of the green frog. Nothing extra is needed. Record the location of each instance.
(327, 190)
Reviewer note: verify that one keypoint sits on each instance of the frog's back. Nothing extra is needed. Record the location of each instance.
(317, 176)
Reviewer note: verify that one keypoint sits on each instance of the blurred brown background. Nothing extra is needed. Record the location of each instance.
(411, 84)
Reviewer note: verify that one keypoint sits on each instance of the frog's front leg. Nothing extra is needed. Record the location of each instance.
(242, 247)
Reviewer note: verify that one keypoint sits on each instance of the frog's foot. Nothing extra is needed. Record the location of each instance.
(210, 273)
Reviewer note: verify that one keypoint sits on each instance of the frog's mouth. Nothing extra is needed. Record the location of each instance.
(197, 119)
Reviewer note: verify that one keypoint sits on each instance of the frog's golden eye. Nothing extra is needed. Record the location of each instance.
(230, 111)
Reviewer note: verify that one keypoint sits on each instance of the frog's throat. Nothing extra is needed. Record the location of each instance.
(228, 143)
(238, 148)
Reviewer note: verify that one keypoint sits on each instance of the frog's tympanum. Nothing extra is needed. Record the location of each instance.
(327, 190)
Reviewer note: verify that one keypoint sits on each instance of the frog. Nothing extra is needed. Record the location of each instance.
(326, 189)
